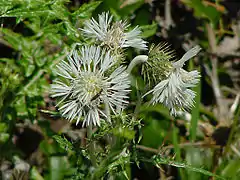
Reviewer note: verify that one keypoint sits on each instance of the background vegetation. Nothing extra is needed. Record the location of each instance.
(37, 143)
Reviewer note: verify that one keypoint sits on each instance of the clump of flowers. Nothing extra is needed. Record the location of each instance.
(92, 84)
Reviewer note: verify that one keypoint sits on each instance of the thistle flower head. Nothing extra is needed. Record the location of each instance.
(158, 64)
(174, 90)
(85, 87)
(113, 34)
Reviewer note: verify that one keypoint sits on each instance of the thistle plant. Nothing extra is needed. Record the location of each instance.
(112, 98)
(93, 85)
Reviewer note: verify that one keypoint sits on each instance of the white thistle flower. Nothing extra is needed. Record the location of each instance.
(113, 34)
(84, 87)
(174, 91)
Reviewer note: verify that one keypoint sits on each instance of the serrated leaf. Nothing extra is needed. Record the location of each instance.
(63, 143)
(22, 12)
(60, 11)
(15, 40)
(72, 32)
(159, 159)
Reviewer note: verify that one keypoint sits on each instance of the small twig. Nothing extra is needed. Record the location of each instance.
(149, 149)
(168, 17)
(222, 109)
(208, 71)
(196, 144)
(230, 90)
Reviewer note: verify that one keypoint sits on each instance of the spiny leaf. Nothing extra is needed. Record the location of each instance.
(63, 142)
(19, 42)
(22, 12)
(158, 159)
(60, 11)
(72, 32)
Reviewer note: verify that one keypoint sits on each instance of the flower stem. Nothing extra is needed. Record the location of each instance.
(91, 145)
(137, 60)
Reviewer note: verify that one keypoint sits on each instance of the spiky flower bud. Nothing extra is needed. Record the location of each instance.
(85, 87)
(158, 64)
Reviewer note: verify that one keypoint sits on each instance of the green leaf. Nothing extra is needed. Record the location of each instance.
(3, 127)
(130, 6)
(22, 12)
(15, 40)
(29, 70)
(148, 30)
(63, 142)
(116, 160)
(4, 137)
(72, 32)
(231, 169)
(159, 159)
(47, 148)
(159, 108)
(60, 11)
(86, 10)
(124, 132)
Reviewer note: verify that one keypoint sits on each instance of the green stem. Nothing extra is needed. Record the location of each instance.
(91, 145)
(177, 149)
(137, 60)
